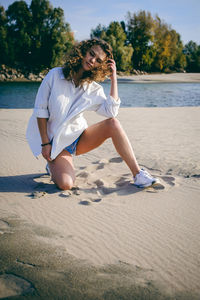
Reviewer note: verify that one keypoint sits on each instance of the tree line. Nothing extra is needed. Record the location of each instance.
(36, 37)
(149, 44)
(33, 37)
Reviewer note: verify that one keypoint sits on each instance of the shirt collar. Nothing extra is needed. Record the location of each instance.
(85, 84)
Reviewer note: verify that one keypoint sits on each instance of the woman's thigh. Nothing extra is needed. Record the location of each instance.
(62, 170)
(94, 136)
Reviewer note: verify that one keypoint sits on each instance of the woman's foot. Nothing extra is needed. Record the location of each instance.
(144, 179)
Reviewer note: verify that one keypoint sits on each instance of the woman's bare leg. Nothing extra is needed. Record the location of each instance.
(96, 134)
(62, 170)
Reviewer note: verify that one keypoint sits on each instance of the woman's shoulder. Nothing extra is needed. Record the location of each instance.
(57, 71)
(55, 74)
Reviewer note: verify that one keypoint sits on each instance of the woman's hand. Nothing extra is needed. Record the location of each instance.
(46, 152)
(112, 65)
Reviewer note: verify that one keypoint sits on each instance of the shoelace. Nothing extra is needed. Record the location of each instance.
(146, 174)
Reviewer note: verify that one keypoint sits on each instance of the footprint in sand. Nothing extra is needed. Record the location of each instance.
(85, 202)
(103, 189)
(169, 180)
(116, 160)
(102, 163)
(37, 194)
(43, 186)
(99, 182)
(90, 201)
(96, 181)
(83, 174)
(165, 182)
(65, 194)
(4, 227)
(122, 185)
(12, 285)
(74, 191)
(97, 200)
(123, 181)
(154, 188)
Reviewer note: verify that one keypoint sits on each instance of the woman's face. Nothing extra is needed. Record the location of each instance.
(94, 57)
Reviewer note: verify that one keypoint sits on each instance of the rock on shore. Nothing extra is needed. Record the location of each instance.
(11, 74)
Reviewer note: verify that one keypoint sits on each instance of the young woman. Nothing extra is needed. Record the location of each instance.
(57, 128)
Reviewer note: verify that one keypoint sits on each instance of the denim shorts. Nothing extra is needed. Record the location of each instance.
(72, 148)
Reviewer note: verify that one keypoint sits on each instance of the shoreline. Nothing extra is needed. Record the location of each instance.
(168, 78)
(144, 78)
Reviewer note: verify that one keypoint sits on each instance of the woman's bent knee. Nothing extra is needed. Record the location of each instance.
(113, 125)
(66, 184)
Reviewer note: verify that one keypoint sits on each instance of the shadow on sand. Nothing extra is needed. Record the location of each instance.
(27, 184)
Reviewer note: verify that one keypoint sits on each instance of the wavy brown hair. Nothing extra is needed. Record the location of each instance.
(74, 61)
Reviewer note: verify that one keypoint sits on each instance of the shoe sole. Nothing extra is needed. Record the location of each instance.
(153, 184)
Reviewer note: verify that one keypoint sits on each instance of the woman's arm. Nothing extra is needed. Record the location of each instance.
(108, 106)
(46, 150)
(113, 78)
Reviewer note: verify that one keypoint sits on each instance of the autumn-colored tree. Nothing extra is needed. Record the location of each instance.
(168, 48)
(156, 46)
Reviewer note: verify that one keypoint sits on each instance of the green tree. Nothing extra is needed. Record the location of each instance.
(140, 34)
(98, 31)
(192, 52)
(40, 12)
(18, 22)
(115, 35)
(3, 37)
(180, 60)
(51, 36)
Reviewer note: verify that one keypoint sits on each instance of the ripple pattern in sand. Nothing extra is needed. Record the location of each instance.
(106, 219)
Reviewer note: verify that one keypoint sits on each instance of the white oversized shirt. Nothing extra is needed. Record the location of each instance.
(63, 105)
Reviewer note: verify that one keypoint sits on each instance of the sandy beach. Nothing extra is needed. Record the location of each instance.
(172, 77)
(105, 239)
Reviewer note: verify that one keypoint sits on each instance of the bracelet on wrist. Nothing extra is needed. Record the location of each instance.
(45, 144)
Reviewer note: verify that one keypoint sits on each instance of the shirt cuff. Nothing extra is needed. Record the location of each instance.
(41, 113)
(117, 102)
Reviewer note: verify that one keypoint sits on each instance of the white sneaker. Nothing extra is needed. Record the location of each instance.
(144, 179)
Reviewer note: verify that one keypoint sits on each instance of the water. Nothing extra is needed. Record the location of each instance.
(158, 94)
(22, 94)
(18, 94)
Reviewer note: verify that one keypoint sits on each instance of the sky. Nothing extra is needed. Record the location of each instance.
(84, 15)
